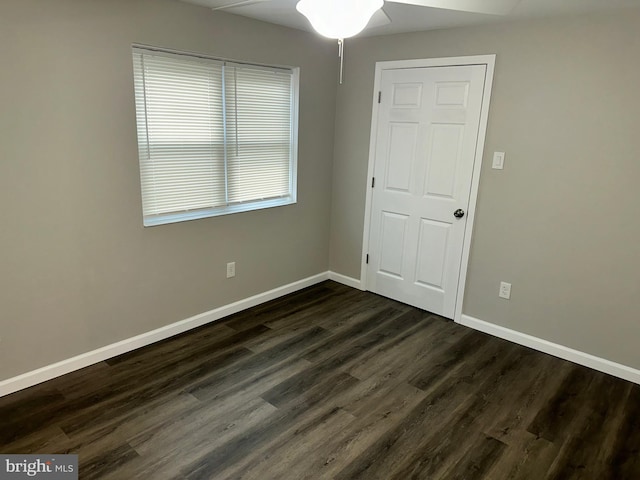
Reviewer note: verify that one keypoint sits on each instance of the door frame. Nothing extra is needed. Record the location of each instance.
(489, 62)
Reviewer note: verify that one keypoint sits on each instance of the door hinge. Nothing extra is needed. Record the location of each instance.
(380, 96)
(373, 182)
(367, 261)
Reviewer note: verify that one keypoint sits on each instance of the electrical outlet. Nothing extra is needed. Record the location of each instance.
(505, 290)
(231, 269)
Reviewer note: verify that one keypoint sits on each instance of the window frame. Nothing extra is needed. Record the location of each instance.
(230, 208)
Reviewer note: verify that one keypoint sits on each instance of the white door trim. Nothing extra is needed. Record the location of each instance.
(489, 61)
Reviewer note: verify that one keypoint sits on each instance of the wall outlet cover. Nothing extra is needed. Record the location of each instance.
(231, 269)
(505, 290)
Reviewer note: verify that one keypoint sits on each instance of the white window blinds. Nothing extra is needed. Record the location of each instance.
(214, 137)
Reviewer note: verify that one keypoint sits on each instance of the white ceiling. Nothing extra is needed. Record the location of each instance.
(407, 18)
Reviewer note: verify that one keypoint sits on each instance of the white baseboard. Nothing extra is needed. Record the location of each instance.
(560, 351)
(348, 281)
(63, 367)
(49, 372)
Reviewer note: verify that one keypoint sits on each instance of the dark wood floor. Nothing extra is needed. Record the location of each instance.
(327, 383)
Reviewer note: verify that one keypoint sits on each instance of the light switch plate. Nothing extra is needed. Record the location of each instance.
(498, 161)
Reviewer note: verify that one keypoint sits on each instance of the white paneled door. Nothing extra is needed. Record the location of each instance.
(425, 148)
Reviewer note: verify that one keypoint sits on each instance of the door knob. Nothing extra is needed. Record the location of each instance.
(459, 213)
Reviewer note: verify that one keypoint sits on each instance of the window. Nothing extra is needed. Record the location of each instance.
(214, 137)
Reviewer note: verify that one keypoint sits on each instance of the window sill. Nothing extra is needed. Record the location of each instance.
(164, 219)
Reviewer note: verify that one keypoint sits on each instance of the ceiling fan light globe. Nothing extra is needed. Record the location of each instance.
(339, 18)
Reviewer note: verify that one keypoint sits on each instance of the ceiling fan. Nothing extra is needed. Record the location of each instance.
(336, 12)
(340, 19)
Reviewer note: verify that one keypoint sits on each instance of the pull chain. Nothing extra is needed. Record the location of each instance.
(341, 55)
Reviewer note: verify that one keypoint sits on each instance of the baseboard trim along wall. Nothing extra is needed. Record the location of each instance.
(63, 367)
(560, 351)
(348, 281)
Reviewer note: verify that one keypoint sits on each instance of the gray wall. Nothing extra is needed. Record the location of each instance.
(561, 221)
(77, 269)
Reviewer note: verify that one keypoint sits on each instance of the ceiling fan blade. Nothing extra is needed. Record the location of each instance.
(236, 3)
(379, 19)
(490, 7)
